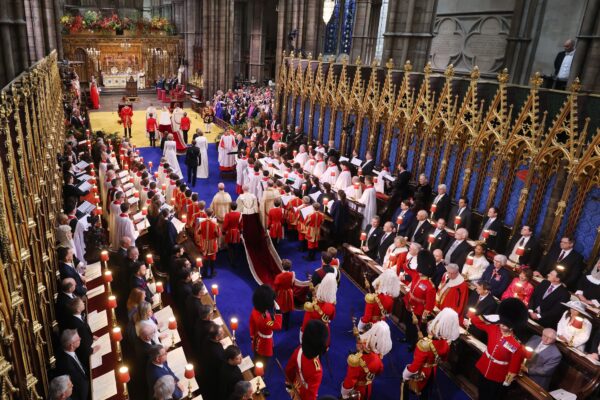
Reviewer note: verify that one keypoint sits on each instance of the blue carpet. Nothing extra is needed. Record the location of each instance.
(235, 300)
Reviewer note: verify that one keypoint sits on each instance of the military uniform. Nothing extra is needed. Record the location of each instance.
(428, 353)
(262, 326)
(304, 374)
(319, 310)
(362, 369)
(501, 361)
(377, 305)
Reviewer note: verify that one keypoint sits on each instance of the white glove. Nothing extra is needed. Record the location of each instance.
(276, 305)
(406, 374)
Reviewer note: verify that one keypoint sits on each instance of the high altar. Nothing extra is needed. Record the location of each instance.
(115, 58)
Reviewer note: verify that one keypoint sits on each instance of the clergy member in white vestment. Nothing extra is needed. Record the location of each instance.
(170, 153)
(176, 119)
(320, 166)
(331, 173)
(344, 179)
(309, 165)
(164, 118)
(380, 182)
(369, 199)
(269, 195)
(151, 110)
(262, 185)
(227, 147)
(302, 155)
(254, 179)
(241, 176)
(221, 203)
(247, 202)
(115, 210)
(202, 143)
(124, 225)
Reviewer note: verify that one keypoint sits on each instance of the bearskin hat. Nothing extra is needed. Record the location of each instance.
(263, 298)
(512, 313)
(425, 263)
(314, 338)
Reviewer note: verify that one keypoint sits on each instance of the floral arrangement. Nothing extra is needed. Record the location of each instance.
(92, 20)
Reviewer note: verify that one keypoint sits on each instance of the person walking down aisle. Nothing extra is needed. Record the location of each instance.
(201, 143)
(170, 154)
(192, 160)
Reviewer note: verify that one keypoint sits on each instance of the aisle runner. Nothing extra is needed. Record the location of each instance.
(263, 260)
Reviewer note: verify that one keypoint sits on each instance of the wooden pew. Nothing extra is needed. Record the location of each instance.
(576, 373)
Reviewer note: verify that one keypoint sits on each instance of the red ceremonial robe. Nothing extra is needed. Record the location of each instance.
(232, 226)
(284, 288)
(206, 238)
(275, 222)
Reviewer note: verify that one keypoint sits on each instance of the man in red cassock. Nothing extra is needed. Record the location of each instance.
(275, 221)
(206, 238)
(284, 288)
(232, 228)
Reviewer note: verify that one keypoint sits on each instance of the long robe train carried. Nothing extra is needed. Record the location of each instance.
(263, 260)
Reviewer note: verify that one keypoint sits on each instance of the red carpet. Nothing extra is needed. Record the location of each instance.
(263, 260)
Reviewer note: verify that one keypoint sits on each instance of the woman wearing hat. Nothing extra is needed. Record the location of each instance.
(442, 330)
(573, 328)
(501, 361)
(588, 288)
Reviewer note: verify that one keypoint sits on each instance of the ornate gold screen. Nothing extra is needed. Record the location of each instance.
(31, 133)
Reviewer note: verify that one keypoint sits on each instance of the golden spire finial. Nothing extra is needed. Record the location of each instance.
(408, 66)
(358, 62)
(536, 80)
(427, 68)
(503, 76)
(390, 63)
(309, 56)
(292, 54)
(475, 74)
(320, 58)
(449, 72)
(575, 86)
(374, 63)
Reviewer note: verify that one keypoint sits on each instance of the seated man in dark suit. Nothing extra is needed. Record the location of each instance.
(457, 250)
(462, 211)
(76, 320)
(440, 208)
(374, 232)
(138, 280)
(545, 305)
(497, 276)
(61, 388)
(67, 287)
(158, 367)
(67, 268)
(484, 303)
(437, 237)
(68, 363)
(546, 358)
(419, 229)
(230, 373)
(524, 249)
(404, 215)
(491, 230)
(387, 238)
(565, 256)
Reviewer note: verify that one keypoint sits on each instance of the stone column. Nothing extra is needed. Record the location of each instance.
(257, 40)
(312, 25)
(586, 63)
(520, 49)
(409, 31)
(360, 33)
(217, 44)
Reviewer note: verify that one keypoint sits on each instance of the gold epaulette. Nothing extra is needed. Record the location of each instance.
(308, 306)
(354, 359)
(424, 344)
(370, 298)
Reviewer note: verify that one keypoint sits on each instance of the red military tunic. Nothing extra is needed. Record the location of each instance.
(206, 238)
(284, 288)
(261, 332)
(372, 311)
(421, 296)
(232, 226)
(400, 261)
(362, 368)
(408, 271)
(275, 222)
(424, 359)
(503, 356)
(323, 311)
(452, 295)
(304, 374)
(313, 229)
(126, 115)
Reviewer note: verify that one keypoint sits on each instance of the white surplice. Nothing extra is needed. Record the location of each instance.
(227, 145)
(202, 143)
(124, 227)
(369, 199)
(343, 180)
